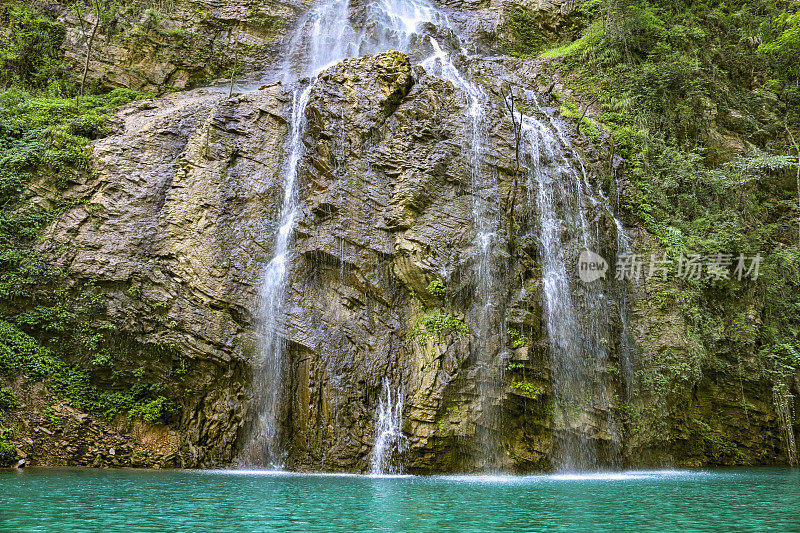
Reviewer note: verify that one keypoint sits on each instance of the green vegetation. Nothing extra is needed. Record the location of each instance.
(518, 339)
(52, 330)
(7, 399)
(782, 46)
(30, 53)
(436, 288)
(21, 354)
(702, 101)
(513, 366)
(521, 27)
(716, 445)
(152, 410)
(46, 139)
(589, 38)
(585, 124)
(529, 390)
(437, 322)
(8, 452)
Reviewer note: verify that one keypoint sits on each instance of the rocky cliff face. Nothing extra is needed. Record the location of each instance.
(177, 45)
(181, 212)
(173, 229)
(176, 226)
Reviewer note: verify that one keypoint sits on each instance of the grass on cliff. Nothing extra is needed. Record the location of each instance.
(21, 354)
(703, 102)
(521, 29)
(52, 329)
(46, 140)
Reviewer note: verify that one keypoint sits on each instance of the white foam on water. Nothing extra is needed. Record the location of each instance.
(600, 476)
(492, 479)
(483, 479)
(629, 475)
(387, 476)
(280, 473)
(623, 475)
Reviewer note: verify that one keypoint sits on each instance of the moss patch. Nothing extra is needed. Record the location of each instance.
(521, 29)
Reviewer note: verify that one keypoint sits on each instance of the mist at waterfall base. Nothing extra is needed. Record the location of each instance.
(390, 443)
(141, 500)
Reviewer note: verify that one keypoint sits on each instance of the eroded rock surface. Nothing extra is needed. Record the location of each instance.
(180, 44)
(177, 227)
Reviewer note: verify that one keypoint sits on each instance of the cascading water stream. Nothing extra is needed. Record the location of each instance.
(326, 36)
(578, 316)
(390, 443)
(576, 320)
(486, 219)
(263, 447)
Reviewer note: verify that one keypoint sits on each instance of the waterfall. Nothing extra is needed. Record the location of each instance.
(486, 219)
(264, 447)
(325, 36)
(389, 443)
(578, 316)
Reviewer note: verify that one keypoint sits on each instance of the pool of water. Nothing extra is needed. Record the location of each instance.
(229, 500)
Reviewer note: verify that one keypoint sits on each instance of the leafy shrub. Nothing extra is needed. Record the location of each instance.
(437, 288)
(529, 390)
(784, 47)
(90, 125)
(518, 339)
(8, 452)
(662, 75)
(153, 410)
(7, 399)
(45, 138)
(438, 322)
(31, 54)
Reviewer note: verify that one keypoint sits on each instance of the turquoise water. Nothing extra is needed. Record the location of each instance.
(171, 501)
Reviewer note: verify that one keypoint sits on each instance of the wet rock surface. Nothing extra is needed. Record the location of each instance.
(180, 202)
(183, 207)
(180, 44)
(49, 432)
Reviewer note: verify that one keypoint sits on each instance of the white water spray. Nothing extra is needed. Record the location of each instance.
(560, 192)
(325, 36)
(578, 317)
(390, 443)
(264, 446)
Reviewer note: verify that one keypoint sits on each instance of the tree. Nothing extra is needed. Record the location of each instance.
(785, 48)
(95, 5)
(31, 54)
